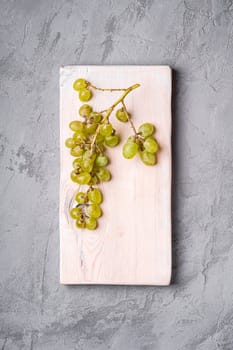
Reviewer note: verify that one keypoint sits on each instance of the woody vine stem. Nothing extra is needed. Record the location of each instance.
(88, 145)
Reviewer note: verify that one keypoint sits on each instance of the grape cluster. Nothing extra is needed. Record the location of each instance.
(87, 210)
(83, 88)
(91, 136)
(88, 144)
(144, 143)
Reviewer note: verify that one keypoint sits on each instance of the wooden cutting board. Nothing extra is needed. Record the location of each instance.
(132, 244)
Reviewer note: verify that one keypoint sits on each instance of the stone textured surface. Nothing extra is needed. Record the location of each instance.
(196, 39)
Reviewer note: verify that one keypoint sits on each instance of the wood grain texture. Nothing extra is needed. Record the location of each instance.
(132, 244)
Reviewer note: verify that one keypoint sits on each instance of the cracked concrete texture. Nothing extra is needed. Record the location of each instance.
(195, 37)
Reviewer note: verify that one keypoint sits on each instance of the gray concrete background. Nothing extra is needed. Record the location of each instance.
(196, 39)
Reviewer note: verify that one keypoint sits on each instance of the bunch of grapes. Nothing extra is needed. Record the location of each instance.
(143, 143)
(88, 208)
(88, 145)
(91, 136)
(83, 88)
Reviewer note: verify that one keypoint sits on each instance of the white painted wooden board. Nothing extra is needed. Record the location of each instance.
(132, 244)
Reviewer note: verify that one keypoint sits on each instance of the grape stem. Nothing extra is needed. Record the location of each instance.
(102, 89)
(129, 118)
(111, 108)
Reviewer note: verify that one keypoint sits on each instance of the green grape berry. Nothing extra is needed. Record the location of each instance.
(90, 128)
(112, 140)
(85, 95)
(94, 180)
(130, 149)
(77, 162)
(91, 223)
(103, 174)
(70, 143)
(79, 136)
(95, 196)
(76, 151)
(148, 158)
(89, 155)
(74, 176)
(80, 223)
(85, 110)
(80, 197)
(94, 211)
(83, 178)
(132, 139)
(87, 165)
(151, 145)
(101, 161)
(76, 213)
(106, 129)
(76, 125)
(122, 115)
(99, 138)
(80, 84)
(146, 129)
(96, 117)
